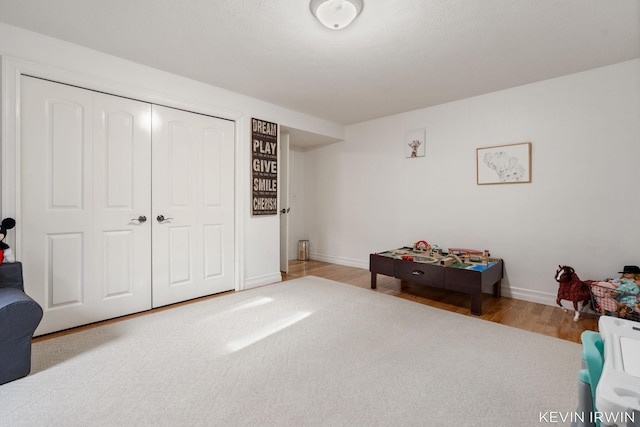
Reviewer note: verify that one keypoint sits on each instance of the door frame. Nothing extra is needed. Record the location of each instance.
(12, 71)
(283, 200)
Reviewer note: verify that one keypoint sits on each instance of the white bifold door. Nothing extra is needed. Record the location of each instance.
(192, 205)
(124, 205)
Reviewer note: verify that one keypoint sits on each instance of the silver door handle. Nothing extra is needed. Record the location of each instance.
(161, 218)
(140, 219)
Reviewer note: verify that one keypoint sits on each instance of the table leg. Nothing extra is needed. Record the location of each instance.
(374, 277)
(497, 289)
(476, 304)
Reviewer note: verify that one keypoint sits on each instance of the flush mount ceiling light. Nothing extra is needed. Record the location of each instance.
(336, 14)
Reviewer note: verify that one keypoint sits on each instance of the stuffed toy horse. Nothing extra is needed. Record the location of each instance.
(571, 288)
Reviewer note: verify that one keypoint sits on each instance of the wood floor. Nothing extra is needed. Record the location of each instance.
(543, 319)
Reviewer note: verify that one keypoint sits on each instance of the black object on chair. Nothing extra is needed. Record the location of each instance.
(19, 317)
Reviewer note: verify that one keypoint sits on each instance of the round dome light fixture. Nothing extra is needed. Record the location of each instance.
(336, 14)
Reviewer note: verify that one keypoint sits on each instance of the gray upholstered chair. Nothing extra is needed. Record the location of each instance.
(19, 318)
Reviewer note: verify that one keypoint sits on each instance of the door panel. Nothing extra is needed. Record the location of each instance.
(66, 148)
(63, 270)
(117, 260)
(193, 182)
(213, 167)
(213, 250)
(56, 193)
(122, 194)
(179, 263)
(87, 261)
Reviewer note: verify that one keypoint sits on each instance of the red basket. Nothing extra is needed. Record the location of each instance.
(609, 301)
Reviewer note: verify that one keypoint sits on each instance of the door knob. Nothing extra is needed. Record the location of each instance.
(161, 218)
(285, 210)
(140, 219)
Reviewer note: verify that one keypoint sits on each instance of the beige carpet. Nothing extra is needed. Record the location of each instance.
(304, 352)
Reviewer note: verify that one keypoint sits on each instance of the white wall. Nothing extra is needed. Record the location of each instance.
(362, 195)
(581, 209)
(24, 51)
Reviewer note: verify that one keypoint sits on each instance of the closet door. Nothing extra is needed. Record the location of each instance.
(193, 182)
(85, 181)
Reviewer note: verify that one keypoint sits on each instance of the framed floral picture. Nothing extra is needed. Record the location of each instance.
(504, 164)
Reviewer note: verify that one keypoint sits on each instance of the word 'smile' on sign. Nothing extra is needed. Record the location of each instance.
(264, 167)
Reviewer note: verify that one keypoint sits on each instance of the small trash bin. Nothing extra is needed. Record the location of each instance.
(303, 250)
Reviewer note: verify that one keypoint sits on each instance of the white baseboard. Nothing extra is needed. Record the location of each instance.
(349, 262)
(266, 279)
(529, 295)
(542, 298)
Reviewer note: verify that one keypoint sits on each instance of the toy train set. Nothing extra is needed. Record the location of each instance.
(461, 270)
(423, 252)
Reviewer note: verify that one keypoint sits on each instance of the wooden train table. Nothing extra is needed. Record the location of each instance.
(468, 276)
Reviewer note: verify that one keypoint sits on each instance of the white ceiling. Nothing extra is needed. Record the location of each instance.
(397, 56)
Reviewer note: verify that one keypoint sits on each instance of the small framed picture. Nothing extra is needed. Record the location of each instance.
(414, 145)
(504, 164)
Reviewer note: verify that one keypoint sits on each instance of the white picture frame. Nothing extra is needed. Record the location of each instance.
(414, 143)
(504, 164)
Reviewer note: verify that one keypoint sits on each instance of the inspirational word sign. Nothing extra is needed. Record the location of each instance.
(264, 167)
